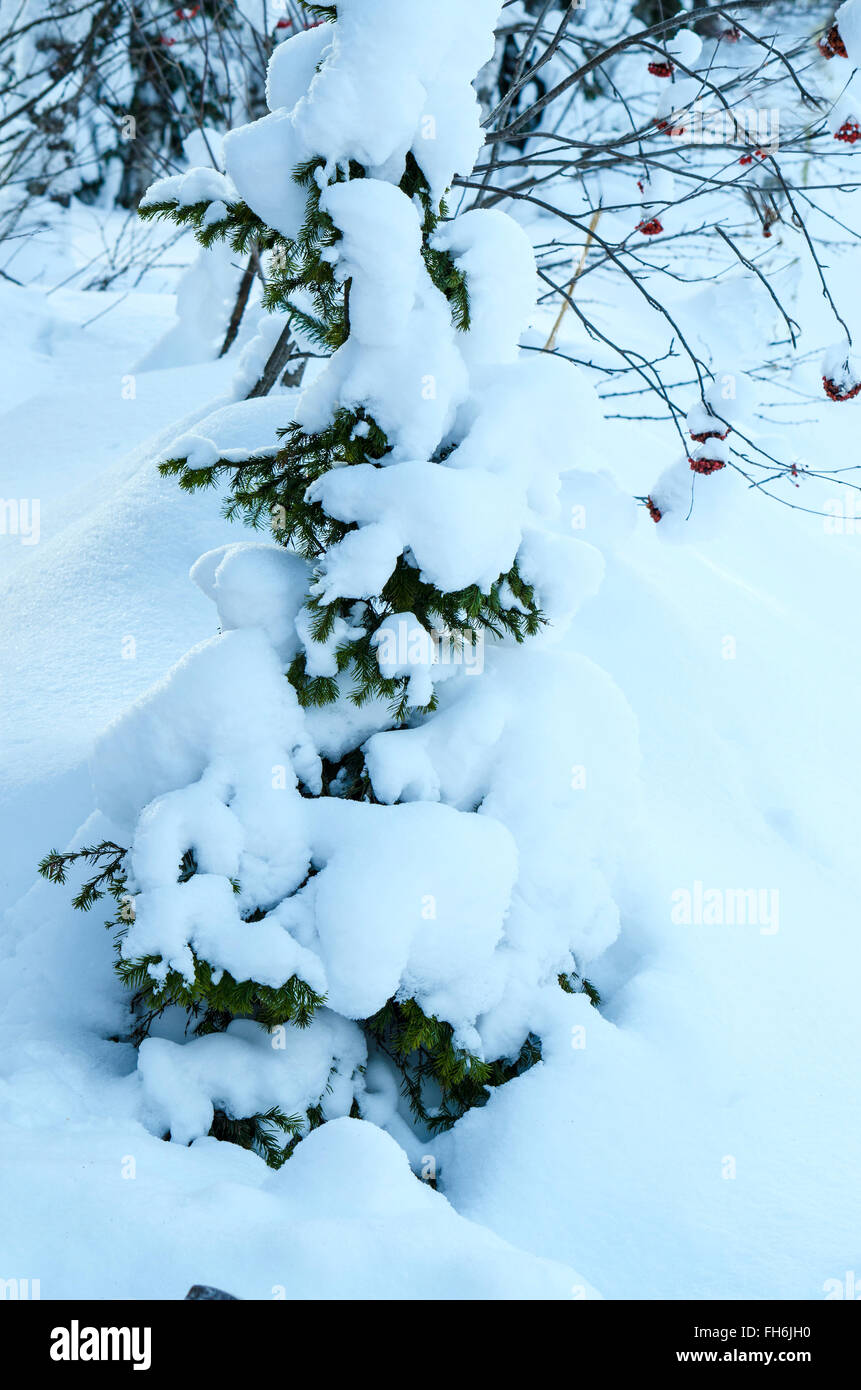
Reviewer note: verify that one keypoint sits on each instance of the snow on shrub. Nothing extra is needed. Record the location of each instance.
(685, 47)
(841, 373)
(844, 117)
(371, 875)
(845, 35)
(703, 423)
(684, 514)
(656, 194)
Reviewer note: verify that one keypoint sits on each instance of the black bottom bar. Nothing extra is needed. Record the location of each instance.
(226, 1336)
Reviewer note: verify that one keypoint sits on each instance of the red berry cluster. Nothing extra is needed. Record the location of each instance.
(748, 158)
(661, 69)
(706, 466)
(187, 14)
(731, 35)
(710, 434)
(650, 227)
(849, 132)
(832, 46)
(703, 464)
(284, 24)
(839, 393)
(654, 511)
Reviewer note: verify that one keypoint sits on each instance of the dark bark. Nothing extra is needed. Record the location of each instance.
(241, 302)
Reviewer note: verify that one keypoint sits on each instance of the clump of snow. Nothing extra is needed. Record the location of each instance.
(293, 65)
(227, 699)
(844, 116)
(428, 508)
(247, 1071)
(256, 585)
(530, 720)
(234, 433)
(496, 256)
(705, 457)
(685, 47)
(368, 91)
(404, 647)
(565, 573)
(199, 185)
(841, 370)
(696, 494)
(402, 360)
(848, 21)
(206, 292)
(702, 419)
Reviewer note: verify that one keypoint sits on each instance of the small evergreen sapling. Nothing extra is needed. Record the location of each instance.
(414, 498)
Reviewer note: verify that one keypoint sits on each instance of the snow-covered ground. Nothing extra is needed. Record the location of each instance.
(696, 1136)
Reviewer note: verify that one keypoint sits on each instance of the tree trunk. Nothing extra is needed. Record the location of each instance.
(241, 301)
(283, 351)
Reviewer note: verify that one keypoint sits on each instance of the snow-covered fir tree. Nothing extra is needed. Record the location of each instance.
(358, 861)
